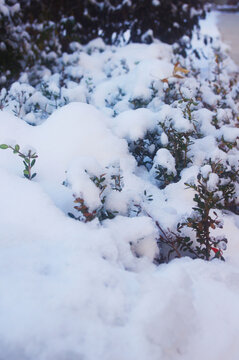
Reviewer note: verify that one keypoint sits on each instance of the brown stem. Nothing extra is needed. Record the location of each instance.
(171, 244)
(165, 239)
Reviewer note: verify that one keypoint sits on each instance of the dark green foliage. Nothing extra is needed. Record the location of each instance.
(189, 105)
(204, 219)
(102, 213)
(178, 144)
(11, 41)
(164, 176)
(168, 20)
(145, 149)
(40, 27)
(208, 198)
(138, 103)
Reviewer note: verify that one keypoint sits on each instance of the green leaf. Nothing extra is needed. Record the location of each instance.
(71, 215)
(4, 146)
(17, 148)
(26, 172)
(33, 163)
(33, 175)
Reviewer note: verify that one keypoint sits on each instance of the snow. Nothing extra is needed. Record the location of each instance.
(229, 134)
(212, 182)
(133, 124)
(72, 131)
(164, 158)
(205, 171)
(169, 114)
(208, 96)
(94, 290)
(164, 139)
(204, 118)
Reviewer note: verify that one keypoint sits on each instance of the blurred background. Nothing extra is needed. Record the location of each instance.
(38, 31)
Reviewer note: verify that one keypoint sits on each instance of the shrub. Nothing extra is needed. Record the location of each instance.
(39, 31)
(106, 183)
(214, 189)
(11, 40)
(166, 20)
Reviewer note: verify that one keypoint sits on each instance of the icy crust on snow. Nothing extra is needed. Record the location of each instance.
(73, 290)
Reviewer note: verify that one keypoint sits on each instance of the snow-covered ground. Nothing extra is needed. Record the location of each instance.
(75, 290)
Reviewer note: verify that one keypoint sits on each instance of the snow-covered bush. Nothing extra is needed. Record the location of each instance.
(214, 189)
(11, 40)
(35, 33)
(124, 128)
(166, 20)
(166, 108)
(105, 183)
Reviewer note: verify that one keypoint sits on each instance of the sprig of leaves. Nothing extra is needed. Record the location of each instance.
(29, 159)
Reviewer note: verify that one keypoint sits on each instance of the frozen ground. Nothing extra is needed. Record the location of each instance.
(71, 290)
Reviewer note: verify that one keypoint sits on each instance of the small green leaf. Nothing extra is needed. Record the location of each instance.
(26, 172)
(33, 175)
(4, 146)
(17, 148)
(71, 215)
(33, 163)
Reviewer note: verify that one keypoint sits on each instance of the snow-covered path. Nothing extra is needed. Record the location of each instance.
(228, 24)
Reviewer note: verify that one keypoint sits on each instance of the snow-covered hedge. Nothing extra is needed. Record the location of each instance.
(139, 145)
(38, 32)
(166, 20)
(171, 117)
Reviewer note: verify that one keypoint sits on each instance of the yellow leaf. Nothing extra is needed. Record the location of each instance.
(180, 69)
(178, 76)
